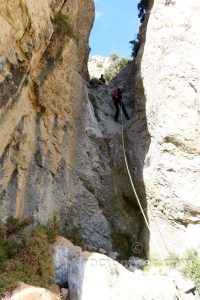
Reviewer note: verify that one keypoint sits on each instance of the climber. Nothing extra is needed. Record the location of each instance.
(117, 99)
(102, 80)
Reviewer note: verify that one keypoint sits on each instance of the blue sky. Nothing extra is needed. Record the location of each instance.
(116, 23)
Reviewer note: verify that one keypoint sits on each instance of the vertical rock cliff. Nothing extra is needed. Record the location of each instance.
(60, 149)
(167, 92)
(43, 63)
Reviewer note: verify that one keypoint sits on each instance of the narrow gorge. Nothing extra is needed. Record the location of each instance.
(61, 152)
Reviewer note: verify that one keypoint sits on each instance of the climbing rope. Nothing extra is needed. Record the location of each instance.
(142, 210)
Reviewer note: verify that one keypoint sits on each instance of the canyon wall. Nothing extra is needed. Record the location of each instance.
(60, 150)
(43, 65)
(167, 86)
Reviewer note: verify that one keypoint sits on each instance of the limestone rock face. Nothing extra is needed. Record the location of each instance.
(60, 150)
(28, 292)
(97, 65)
(42, 103)
(167, 95)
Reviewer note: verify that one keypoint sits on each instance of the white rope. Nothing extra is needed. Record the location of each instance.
(142, 211)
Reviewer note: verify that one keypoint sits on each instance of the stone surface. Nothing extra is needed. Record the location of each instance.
(96, 276)
(136, 262)
(60, 150)
(167, 89)
(113, 255)
(97, 65)
(64, 255)
(185, 285)
(28, 292)
(37, 110)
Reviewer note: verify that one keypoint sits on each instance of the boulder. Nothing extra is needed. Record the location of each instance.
(95, 276)
(28, 292)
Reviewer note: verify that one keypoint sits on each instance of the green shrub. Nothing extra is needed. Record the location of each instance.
(188, 265)
(10, 248)
(26, 258)
(173, 260)
(37, 253)
(14, 225)
(63, 23)
(152, 263)
(51, 229)
(191, 268)
(117, 64)
(3, 255)
(11, 241)
(9, 280)
(2, 231)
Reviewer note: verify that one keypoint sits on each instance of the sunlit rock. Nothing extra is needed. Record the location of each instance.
(28, 292)
(167, 96)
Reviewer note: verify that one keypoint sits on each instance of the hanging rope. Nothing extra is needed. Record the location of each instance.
(141, 208)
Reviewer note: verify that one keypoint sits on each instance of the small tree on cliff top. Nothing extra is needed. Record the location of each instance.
(142, 8)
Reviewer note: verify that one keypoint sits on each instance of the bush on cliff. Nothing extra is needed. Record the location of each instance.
(26, 258)
(188, 265)
(142, 8)
(63, 23)
(191, 268)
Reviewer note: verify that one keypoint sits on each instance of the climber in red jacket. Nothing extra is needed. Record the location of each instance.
(117, 99)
